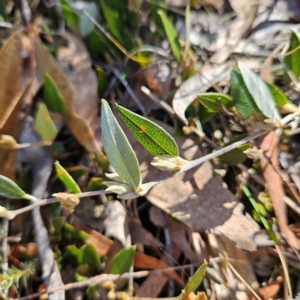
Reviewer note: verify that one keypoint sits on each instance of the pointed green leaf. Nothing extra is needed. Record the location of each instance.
(196, 280)
(292, 58)
(118, 148)
(52, 96)
(241, 97)
(44, 125)
(209, 100)
(151, 136)
(278, 95)
(66, 179)
(171, 35)
(123, 261)
(10, 189)
(260, 92)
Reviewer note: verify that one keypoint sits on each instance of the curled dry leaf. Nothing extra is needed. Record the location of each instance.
(76, 115)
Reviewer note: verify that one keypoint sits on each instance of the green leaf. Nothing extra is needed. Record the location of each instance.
(235, 156)
(118, 148)
(241, 97)
(86, 25)
(171, 35)
(278, 95)
(292, 59)
(9, 189)
(68, 13)
(44, 125)
(209, 101)
(113, 20)
(196, 280)
(123, 261)
(151, 136)
(66, 179)
(260, 92)
(52, 96)
(88, 256)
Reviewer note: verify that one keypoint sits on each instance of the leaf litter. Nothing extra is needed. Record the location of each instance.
(207, 201)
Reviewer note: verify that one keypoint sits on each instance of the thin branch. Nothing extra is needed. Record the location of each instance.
(105, 277)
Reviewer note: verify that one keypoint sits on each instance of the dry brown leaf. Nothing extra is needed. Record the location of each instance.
(24, 251)
(102, 244)
(197, 198)
(78, 124)
(154, 283)
(145, 262)
(15, 79)
(178, 232)
(269, 291)
(239, 28)
(140, 235)
(271, 171)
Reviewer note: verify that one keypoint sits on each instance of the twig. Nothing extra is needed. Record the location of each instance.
(243, 280)
(285, 270)
(5, 224)
(197, 162)
(169, 251)
(105, 277)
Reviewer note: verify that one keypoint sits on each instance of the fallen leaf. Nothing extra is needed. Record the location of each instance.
(140, 235)
(271, 290)
(77, 118)
(15, 79)
(178, 232)
(239, 28)
(197, 84)
(154, 283)
(271, 171)
(101, 243)
(146, 262)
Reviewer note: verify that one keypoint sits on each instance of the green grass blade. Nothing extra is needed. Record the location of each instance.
(171, 35)
(118, 148)
(151, 136)
(66, 179)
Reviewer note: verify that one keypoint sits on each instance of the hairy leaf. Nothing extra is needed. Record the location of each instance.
(260, 92)
(10, 189)
(118, 148)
